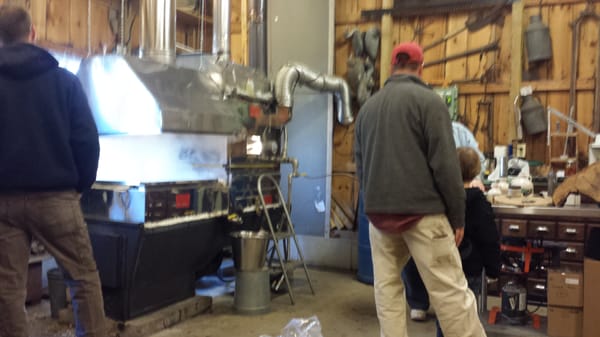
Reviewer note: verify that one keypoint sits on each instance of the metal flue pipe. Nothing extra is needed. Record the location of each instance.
(257, 35)
(221, 23)
(158, 30)
(293, 74)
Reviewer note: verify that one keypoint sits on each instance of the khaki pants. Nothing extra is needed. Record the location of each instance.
(56, 220)
(432, 246)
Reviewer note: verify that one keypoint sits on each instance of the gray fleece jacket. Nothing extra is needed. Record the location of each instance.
(405, 153)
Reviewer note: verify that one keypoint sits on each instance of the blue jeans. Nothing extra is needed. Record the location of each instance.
(416, 293)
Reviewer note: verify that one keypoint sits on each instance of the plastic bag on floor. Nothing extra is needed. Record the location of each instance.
(301, 327)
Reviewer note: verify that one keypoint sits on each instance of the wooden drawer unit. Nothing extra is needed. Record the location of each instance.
(572, 252)
(514, 227)
(541, 229)
(536, 289)
(571, 231)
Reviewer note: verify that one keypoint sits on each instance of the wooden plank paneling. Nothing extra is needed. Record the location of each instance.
(433, 28)
(102, 39)
(476, 64)
(504, 54)
(78, 24)
(38, 17)
(561, 33)
(509, 63)
(386, 43)
(349, 12)
(456, 69)
(58, 21)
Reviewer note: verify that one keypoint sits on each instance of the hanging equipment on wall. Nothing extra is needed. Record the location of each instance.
(537, 36)
(533, 116)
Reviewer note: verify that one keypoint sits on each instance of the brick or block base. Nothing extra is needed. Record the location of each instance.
(164, 318)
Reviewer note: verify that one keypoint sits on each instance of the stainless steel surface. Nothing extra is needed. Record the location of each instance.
(291, 75)
(249, 250)
(257, 35)
(221, 28)
(162, 158)
(158, 30)
(134, 96)
(155, 204)
(252, 292)
(591, 212)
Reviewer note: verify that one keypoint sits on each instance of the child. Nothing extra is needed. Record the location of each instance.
(480, 247)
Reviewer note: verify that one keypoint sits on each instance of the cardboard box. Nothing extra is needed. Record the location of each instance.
(565, 322)
(591, 302)
(565, 288)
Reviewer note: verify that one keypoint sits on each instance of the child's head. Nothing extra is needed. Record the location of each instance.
(469, 163)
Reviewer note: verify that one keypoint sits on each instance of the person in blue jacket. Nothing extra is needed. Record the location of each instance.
(49, 155)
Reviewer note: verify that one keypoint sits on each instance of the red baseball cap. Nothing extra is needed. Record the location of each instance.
(411, 49)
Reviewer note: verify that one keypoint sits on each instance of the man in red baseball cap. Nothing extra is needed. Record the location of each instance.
(414, 198)
(407, 53)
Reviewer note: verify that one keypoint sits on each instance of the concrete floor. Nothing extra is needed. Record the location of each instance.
(344, 307)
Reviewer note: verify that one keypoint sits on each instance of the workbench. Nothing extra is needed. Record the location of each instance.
(548, 237)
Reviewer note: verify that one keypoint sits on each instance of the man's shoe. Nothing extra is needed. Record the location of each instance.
(418, 315)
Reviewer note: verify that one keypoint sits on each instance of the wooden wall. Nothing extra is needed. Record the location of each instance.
(62, 25)
(552, 87)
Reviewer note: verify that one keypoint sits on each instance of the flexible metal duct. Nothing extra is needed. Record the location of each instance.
(292, 74)
(158, 30)
(221, 23)
(257, 35)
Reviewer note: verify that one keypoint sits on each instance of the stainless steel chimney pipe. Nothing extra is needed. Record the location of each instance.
(221, 23)
(158, 30)
(257, 35)
(292, 74)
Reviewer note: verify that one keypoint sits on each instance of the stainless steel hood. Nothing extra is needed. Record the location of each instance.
(129, 95)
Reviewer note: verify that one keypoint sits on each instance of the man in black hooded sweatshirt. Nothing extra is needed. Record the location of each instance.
(49, 155)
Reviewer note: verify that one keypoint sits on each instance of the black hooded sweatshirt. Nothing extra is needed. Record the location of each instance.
(481, 244)
(48, 138)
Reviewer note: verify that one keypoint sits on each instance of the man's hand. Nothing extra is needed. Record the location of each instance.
(459, 233)
(477, 183)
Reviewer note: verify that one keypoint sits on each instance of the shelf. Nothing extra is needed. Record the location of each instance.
(189, 18)
(562, 160)
(563, 134)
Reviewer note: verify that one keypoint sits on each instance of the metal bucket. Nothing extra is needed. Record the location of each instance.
(249, 250)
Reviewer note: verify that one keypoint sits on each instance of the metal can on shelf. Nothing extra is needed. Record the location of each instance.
(570, 168)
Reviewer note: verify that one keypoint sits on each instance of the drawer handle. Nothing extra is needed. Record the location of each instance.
(542, 229)
(514, 228)
(571, 231)
(540, 287)
(571, 250)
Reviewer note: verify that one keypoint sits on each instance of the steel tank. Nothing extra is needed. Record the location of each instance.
(514, 303)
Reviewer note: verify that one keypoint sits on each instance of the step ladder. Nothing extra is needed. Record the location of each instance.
(281, 233)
